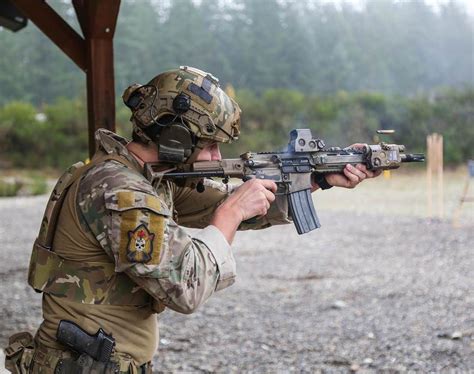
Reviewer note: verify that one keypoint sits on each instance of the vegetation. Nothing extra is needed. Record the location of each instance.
(314, 47)
(25, 185)
(60, 138)
(345, 118)
(55, 139)
(342, 71)
(9, 188)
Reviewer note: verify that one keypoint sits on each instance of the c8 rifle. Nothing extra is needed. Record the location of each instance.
(292, 169)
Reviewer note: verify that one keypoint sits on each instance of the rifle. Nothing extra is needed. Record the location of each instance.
(292, 169)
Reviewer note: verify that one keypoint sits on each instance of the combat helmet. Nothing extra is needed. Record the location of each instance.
(181, 111)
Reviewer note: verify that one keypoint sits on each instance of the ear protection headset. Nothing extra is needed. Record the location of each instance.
(176, 143)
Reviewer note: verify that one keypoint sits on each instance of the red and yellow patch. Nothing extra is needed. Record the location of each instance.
(140, 245)
(140, 219)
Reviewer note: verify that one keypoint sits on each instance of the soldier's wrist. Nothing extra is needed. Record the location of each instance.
(227, 220)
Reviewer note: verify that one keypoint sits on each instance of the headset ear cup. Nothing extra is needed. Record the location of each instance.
(175, 142)
(181, 103)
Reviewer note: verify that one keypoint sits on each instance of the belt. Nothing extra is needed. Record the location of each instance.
(54, 359)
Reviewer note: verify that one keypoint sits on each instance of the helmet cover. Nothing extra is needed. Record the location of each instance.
(192, 97)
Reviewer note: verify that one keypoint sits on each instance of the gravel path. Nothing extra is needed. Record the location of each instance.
(363, 293)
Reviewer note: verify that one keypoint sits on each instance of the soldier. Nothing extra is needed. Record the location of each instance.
(110, 253)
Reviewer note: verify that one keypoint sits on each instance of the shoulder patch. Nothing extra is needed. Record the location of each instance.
(140, 244)
(123, 200)
(139, 221)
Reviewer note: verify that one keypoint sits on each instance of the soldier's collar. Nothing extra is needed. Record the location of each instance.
(111, 143)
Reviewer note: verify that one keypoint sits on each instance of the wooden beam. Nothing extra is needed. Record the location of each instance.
(55, 28)
(100, 87)
(81, 15)
(101, 17)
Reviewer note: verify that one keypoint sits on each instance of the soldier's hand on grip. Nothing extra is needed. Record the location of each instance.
(251, 199)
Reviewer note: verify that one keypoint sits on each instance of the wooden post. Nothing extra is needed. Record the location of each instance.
(464, 195)
(98, 20)
(92, 54)
(100, 88)
(434, 143)
(440, 165)
(429, 177)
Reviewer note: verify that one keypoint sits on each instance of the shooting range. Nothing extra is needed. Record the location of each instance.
(385, 284)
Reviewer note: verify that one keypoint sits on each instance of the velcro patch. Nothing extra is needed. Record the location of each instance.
(140, 244)
(141, 223)
(141, 236)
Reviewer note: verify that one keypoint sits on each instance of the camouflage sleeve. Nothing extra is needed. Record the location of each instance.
(180, 271)
(195, 209)
(199, 213)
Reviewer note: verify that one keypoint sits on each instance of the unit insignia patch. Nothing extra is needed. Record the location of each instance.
(140, 244)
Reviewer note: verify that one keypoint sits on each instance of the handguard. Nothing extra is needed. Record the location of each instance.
(302, 211)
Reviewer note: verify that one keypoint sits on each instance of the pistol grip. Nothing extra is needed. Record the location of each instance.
(251, 221)
(302, 211)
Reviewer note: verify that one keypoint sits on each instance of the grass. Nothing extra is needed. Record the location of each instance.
(38, 186)
(23, 183)
(9, 188)
(402, 193)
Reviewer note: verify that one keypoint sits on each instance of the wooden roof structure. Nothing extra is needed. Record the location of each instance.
(92, 52)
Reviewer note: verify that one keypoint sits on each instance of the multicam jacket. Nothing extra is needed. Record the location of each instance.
(114, 216)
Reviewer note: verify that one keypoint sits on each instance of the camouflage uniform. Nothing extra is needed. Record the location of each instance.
(121, 257)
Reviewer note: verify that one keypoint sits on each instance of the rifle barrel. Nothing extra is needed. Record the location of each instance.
(413, 157)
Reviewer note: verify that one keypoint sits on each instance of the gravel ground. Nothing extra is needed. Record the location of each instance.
(367, 293)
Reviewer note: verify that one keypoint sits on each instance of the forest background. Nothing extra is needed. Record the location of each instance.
(342, 70)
